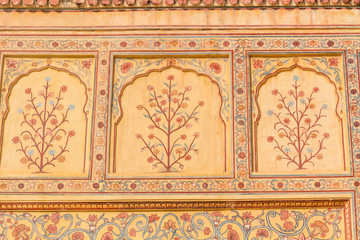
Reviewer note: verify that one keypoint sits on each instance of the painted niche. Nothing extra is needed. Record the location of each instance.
(299, 127)
(45, 127)
(170, 125)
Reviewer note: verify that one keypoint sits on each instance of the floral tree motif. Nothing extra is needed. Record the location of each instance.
(43, 140)
(168, 115)
(298, 126)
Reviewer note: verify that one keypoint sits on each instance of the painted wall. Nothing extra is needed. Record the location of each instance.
(179, 124)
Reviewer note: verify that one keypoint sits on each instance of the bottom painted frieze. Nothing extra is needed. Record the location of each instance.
(286, 222)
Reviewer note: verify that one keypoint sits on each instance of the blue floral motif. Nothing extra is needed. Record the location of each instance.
(20, 110)
(270, 112)
(71, 107)
(31, 152)
(48, 79)
(52, 152)
(291, 103)
(324, 106)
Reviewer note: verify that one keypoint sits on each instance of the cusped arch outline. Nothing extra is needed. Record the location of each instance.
(18, 78)
(289, 69)
(146, 75)
(274, 74)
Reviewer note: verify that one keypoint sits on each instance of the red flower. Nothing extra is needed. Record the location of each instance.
(301, 94)
(55, 218)
(262, 233)
(153, 218)
(170, 225)
(122, 215)
(170, 77)
(71, 133)
(307, 120)
(163, 102)
(28, 90)
(63, 89)
(288, 225)
(201, 103)
(157, 119)
(32, 121)
(186, 217)
(183, 136)
(284, 214)
(149, 88)
(216, 67)
(151, 136)
(52, 228)
(77, 236)
(286, 121)
(233, 235)
(333, 62)
(217, 214)
(270, 139)
(138, 136)
(196, 135)
(11, 63)
(188, 88)
(247, 216)
(274, 92)
(107, 236)
(150, 159)
(92, 218)
(54, 121)
(207, 231)
(179, 119)
(126, 67)
(326, 135)
(86, 64)
(316, 89)
(16, 139)
(132, 232)
(242, 155)
(291, 92)
(258, 63)
(188, 157)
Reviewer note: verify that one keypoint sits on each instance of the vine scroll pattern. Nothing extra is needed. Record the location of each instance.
(281, 224)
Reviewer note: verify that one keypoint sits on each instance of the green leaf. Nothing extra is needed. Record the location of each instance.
(186, 146)
(146, 115)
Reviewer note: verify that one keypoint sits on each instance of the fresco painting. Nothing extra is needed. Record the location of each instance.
(300, 121)
(201, 120)
(165, 115)
(46, 109)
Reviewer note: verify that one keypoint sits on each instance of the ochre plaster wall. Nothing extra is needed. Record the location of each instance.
(180, 124)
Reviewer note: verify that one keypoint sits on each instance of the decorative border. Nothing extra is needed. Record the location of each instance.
(168, 205)
(171, 4)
